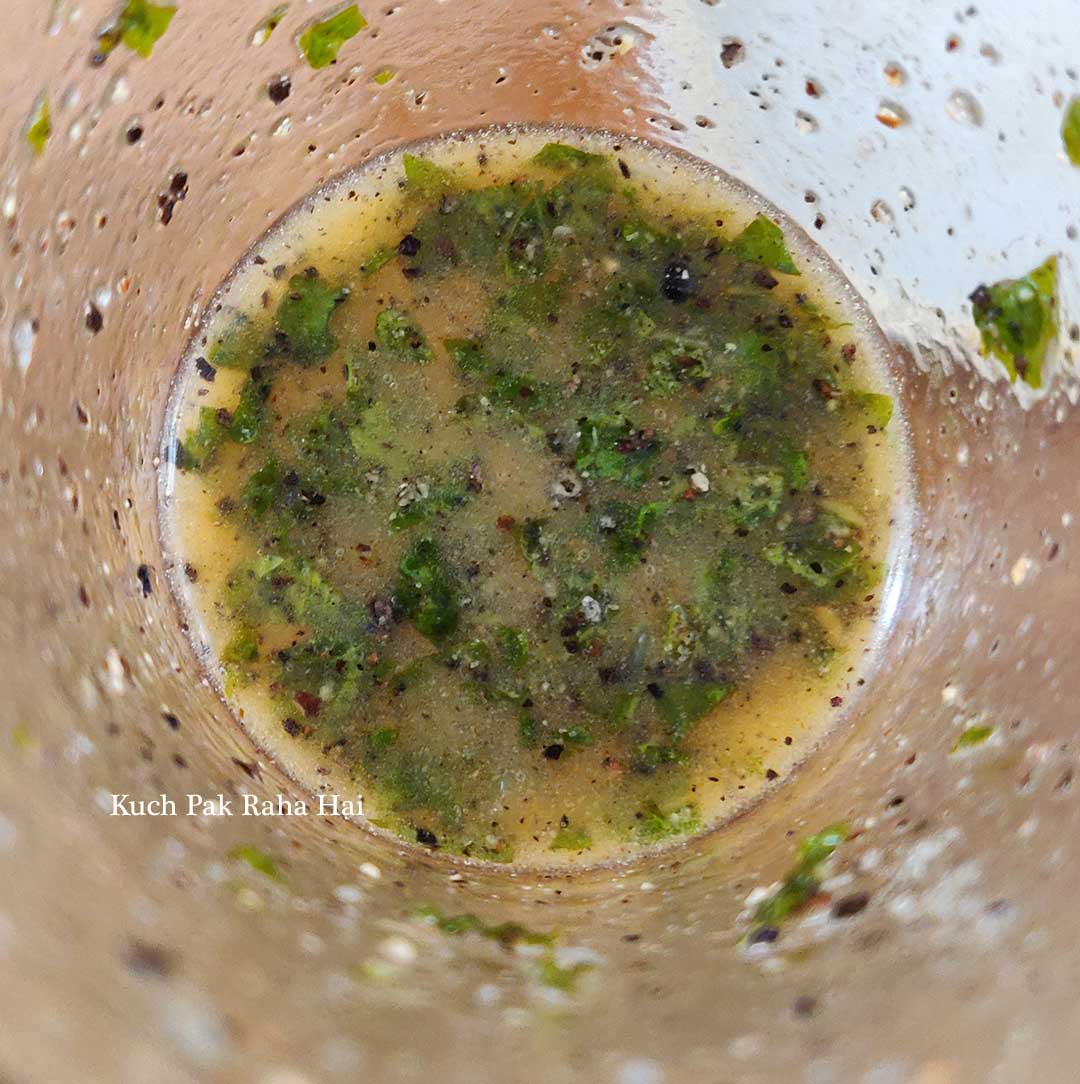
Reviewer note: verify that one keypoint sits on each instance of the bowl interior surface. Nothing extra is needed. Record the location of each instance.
(139, 948)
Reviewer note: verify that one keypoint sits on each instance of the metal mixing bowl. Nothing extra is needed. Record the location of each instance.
(140, 949)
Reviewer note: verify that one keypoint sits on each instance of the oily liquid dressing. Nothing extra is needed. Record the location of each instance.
(494, 751)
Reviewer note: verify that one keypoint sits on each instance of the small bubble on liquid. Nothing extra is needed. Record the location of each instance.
(907, 199)
(964, 108)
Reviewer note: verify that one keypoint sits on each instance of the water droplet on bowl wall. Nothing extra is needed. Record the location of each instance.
(805, 124)
(892, 115)
(895, 75)
(880, 211)
(23, 334)
(964, 108)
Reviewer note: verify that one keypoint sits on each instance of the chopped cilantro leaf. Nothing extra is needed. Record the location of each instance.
(242, 647)
(261, 489)
(1017, 319)
(571, 839)
(426, 591)
(611, 448)
(200, 444)
(802, 882)
(303, 317)
(257, 859)
(424, 177)
(563, 156)
(396, 333)
(138, 26)
(39, 127)
(1070, 131)
(321, 41)
(655, 824)
(877, 408)
(240, 346)
(974, 735)
(681, 705)
(763, 242)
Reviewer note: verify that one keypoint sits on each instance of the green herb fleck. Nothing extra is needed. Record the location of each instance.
(802, 882)
(321, 41)
(376, 260)
(552, 974)
(654, 824)
(382, 738)
(611, 448)
(426, 591)
(571, 839)
(383, 77)
(466, 355)
(138, 26)
(1017, 320)
(424, 177)
(563, 156)
(200, 443)
(262, 487)
(629, 530)
(1070, 131)
(250, 413)
(677, 362)
(39, 127)
(243, 647)
(507, 934)
(878, 408)
(257, 859)
(240, 346)
(514, 645)
(269, 24)
(763, 242)
(681, 706)
(303, 316)
(974, 735)
(396, 332)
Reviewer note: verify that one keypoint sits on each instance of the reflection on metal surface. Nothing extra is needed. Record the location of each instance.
(137, 947)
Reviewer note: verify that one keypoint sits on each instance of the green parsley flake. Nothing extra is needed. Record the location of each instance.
(974, 735)
(138, 26)
(802, 882)
(1070, 131)
(763, 242)
(321, 41)
(40, 126)
(269, 24)
(1018, 321)
(257, 859)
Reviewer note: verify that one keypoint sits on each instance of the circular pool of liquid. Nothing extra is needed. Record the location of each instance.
(537, 491)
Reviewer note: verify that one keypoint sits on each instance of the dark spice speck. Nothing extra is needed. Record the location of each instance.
(408, 245)
(677, 284)
(279, 89)
(851, 905)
